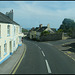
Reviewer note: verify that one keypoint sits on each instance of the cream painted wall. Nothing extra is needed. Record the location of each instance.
(3, 38)
(32, 33)
(11, 38)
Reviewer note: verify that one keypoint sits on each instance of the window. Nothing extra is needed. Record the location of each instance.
(14, 30)
(17, 40)
(8, 30)
(14, 44)
(5, 49)
(20, 30)
(0, 31)
(0, 51)
(20, 38)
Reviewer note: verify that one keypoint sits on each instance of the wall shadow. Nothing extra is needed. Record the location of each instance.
(72, 49)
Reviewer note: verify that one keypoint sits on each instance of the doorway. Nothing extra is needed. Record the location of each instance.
(10, 47)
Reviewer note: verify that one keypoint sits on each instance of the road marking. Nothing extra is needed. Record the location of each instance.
(69, 52)
(15, 64)
(69, 56)
(49, 44)
(19, 62)
(37, 46)
(70, 47)
(48, 68)
(73, 59)
(43, 53)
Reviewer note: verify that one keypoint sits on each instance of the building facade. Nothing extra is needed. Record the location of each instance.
(10, 37)
(36, 32)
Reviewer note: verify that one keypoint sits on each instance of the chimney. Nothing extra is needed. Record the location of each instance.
(48, 26)
(10, 14)
(40, 26)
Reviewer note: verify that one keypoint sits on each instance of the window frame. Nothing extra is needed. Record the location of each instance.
(0, 52)
(20, 29)
(20, 38)
(5, 49)
(0, 31)
(8, 30)
(14, 44)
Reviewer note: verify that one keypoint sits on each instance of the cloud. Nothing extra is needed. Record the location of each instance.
(31, 13)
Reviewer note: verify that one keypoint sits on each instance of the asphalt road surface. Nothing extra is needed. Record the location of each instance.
(43, 58)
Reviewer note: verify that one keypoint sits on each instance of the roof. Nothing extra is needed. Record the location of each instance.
(42, 29)
(5, 19)
(36, 29)
(54, 29)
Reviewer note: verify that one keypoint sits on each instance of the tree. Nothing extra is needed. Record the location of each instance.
(60, 30)
(67, 21)
(67, 25)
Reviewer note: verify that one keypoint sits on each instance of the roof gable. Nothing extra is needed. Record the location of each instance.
(5, 19)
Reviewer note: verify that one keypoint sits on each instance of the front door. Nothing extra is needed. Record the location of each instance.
(10, 47)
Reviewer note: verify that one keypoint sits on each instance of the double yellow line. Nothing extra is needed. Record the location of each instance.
(14, 69)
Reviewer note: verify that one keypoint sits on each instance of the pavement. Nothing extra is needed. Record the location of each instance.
(67, 48)
(9, 65)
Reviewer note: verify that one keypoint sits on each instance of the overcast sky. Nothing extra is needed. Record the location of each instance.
(32, 13)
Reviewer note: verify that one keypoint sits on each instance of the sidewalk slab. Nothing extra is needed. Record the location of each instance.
(6, 66)
(69, 51)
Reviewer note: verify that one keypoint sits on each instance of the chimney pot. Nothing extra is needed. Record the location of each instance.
(40, 26)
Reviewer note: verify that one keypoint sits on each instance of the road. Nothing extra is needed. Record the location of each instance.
(44, 58)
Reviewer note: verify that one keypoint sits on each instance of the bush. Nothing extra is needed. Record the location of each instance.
(59, 30)
(45, 33)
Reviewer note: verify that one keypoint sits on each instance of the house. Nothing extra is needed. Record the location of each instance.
(36, 32)
(41, 29)
(28, 35)
(10, 35)
(32, 33)
(54, 29)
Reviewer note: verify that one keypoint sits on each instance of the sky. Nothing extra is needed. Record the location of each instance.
(32, 13)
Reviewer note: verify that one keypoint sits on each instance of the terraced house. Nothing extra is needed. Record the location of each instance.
(10, 35)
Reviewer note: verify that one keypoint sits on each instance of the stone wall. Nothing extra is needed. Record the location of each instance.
(51, 37)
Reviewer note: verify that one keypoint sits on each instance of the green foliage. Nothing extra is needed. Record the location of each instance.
(45, 33)
(70, 31)
(59, 30)
(67, 21)
(67, 26)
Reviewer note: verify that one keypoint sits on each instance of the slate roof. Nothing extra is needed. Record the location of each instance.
(42, 29)
(54, 29)
(38, 29)
(5, 19)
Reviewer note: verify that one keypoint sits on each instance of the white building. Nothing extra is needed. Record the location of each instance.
(10, 35)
